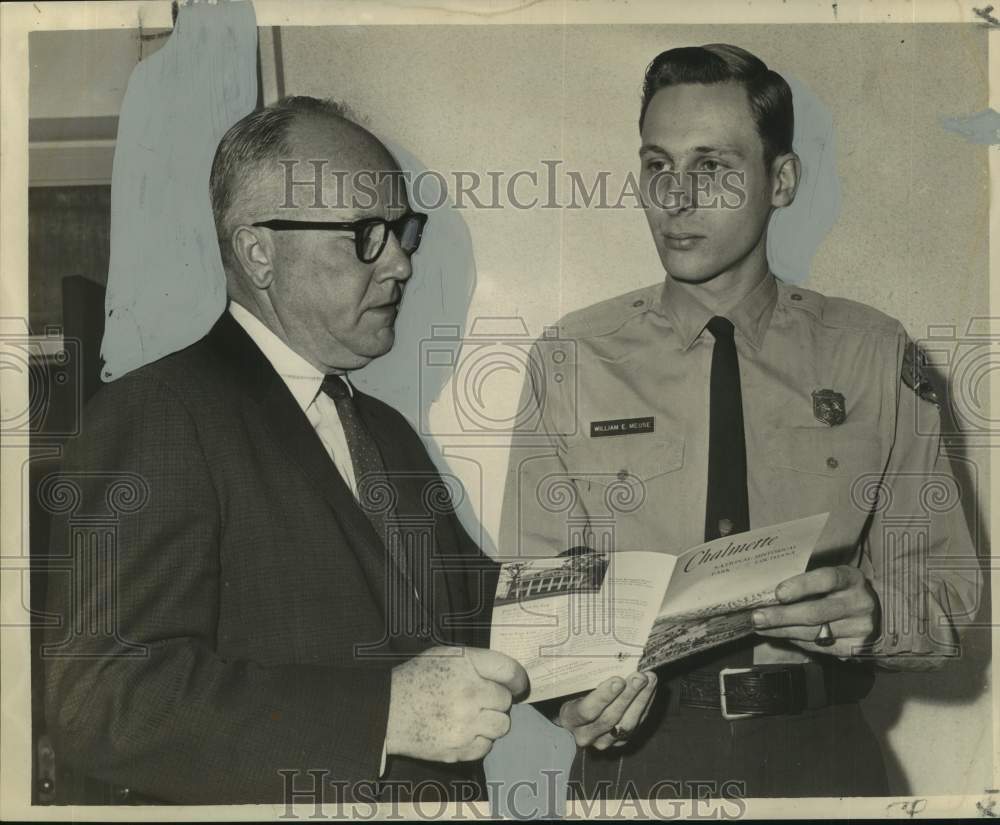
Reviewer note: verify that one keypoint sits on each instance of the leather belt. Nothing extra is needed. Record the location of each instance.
(774, 690)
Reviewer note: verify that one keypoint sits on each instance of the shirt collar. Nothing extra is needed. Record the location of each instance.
(751, 316)
(302, 378)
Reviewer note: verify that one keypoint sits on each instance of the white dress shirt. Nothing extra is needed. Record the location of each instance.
(303, 381)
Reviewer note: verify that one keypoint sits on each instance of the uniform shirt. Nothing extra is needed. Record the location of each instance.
(893, 503)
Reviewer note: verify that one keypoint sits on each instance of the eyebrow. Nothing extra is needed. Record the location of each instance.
(718, 150)
(647, 148)
(652, 148)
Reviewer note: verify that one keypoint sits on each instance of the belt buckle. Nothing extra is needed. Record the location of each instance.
(731, 671)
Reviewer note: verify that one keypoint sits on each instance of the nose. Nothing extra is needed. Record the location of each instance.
(672, 192)
(393, 264)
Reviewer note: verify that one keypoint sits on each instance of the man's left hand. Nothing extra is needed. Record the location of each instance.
(616, 702)
(840, 596)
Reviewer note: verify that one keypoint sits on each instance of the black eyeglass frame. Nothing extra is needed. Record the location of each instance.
(357, 227)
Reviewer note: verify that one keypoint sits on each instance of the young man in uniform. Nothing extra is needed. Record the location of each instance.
(749, 402)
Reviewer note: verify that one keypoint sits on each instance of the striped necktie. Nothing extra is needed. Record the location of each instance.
(372, 478)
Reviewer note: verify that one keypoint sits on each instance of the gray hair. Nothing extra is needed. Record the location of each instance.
(259, 139)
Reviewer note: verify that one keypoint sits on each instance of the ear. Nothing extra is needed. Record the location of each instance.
(254, 249)
(785, 173)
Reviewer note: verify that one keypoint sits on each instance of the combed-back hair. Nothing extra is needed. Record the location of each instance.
(769, 95)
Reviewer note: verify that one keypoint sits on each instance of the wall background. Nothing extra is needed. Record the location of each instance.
(911, 237)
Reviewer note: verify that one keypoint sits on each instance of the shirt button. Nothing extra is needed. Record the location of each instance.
(638, 303)
(832, 463)
(796, 296)
(622, 474)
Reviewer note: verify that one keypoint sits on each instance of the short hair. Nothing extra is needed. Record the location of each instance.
(768, 93)
(252, 142)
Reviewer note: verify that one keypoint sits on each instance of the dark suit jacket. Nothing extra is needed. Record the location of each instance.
(213, 608)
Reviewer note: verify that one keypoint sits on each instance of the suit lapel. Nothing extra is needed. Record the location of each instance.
(292, 430)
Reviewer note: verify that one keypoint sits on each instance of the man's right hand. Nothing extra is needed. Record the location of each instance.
(449, 704)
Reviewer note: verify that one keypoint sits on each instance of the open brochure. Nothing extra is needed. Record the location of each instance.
(575, 620)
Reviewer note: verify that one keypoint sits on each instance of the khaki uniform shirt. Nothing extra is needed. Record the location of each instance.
(643, 360)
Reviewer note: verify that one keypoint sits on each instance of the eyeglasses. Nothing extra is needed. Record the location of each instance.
(370, 234)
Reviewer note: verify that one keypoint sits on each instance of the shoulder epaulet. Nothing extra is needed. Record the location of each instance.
(841, 312)
(838, 312)
(607, 316)
(797, 298)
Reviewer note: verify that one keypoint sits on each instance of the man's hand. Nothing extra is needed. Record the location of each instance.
(839, 595)
(450, 703)
(616, 701)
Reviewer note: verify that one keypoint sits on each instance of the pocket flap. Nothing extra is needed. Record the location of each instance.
(630, 459)
(827, 451)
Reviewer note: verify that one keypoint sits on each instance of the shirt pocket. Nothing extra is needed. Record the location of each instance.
(831, 452)
(817, 470)
(619, 475)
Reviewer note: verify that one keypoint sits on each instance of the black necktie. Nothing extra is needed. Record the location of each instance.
(369, 473)
(727, 507)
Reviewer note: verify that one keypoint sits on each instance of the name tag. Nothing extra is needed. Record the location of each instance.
(621, 426)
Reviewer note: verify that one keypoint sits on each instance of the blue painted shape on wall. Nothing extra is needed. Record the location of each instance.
(982, 128)
(798, 230)
(166, 285)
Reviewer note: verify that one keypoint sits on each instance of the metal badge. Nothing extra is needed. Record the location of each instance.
(829, 407)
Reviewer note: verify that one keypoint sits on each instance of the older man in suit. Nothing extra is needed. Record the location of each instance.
(294, 607)
(266, 622)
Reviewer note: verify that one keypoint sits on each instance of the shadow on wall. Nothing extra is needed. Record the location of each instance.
(437, 296)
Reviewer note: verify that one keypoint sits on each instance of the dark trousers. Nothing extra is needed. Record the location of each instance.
(682, 752)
